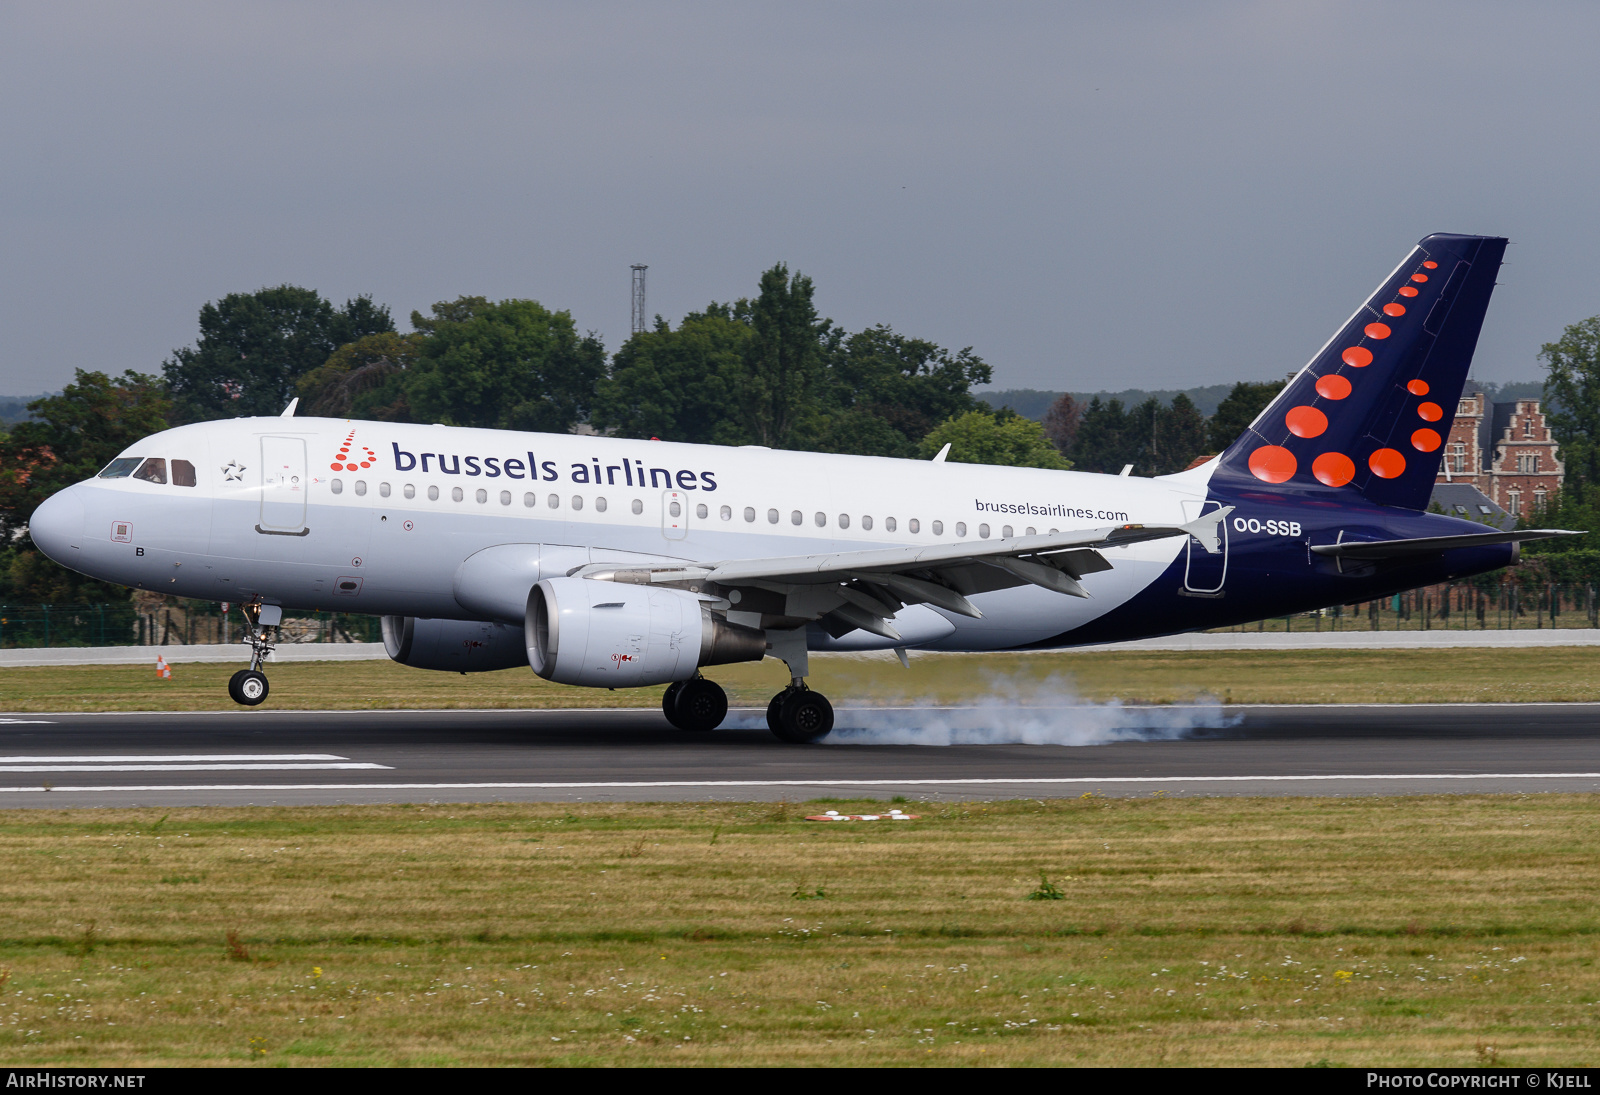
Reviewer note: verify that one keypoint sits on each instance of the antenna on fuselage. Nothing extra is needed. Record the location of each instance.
(288, 412)
(942, 453)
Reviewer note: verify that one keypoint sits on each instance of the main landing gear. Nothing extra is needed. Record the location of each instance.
(796, 715)
(249, 687)
(695, 704)
(800, 716)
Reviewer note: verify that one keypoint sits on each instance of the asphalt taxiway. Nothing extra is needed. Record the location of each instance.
(287, 758)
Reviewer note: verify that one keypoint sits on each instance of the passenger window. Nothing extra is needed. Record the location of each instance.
(456, 494)
(701, 511)
(555, 501)
(638, 506)
(182, 473)
(914, 525)
(383, 490)
(961, 528)
(866, 523)
(410, 491)
(821, 519)
(529, 500)
(727, 513)
(505, 498)
(844, 520)
(600, 504)
(983, 532)
(1005, 532)
(336, 485)
(938, 528)
(772, 517)
(577, 501)
(153, 470)
(433, 494)
(482, 496)
(121, 467)
(749, 514)
(674, 509)
(1031, 531)
(889, 524)
(361, 486)
(796, 517)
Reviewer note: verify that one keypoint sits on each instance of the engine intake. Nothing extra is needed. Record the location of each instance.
(611, 635)
(458, 646)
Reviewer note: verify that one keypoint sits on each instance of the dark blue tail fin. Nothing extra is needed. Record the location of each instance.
(1372, 410)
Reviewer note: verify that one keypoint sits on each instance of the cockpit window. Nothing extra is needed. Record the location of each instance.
(121, 467)
(182, 473)
(153, 470)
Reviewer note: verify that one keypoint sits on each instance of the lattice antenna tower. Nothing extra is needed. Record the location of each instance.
(640, 320)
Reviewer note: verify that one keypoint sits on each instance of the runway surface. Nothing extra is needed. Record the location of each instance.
(266, 757)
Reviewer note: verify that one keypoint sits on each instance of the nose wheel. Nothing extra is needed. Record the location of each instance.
(800, 716)
(696, 704)
(248, 687)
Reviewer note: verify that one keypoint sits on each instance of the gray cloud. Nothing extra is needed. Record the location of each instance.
(1090, 196)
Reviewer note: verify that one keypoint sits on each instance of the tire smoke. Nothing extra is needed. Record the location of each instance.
(1017, 712)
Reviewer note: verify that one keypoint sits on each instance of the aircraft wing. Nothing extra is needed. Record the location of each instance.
(863, 589)
(1432, 545)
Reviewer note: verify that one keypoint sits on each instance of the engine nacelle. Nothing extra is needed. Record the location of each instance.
(458, 646)
(615, 635)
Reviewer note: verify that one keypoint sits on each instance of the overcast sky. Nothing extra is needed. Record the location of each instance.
(1091, 196)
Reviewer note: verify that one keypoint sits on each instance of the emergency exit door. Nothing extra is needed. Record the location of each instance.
(674, 514)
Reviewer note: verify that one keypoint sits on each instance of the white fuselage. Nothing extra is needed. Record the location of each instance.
(379, 518)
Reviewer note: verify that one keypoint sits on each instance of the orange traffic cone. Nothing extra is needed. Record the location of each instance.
(163, 670)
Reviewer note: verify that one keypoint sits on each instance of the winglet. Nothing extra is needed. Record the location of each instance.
(1204, 529)
(288, 412)
(944, 452)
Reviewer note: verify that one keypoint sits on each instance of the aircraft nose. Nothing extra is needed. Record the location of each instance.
(57, 525)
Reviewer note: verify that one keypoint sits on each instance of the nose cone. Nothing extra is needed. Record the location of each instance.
(57, 526)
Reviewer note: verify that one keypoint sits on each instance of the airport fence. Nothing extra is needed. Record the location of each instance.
(127, 623)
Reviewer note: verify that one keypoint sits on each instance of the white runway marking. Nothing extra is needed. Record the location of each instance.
(170, 758)
(188, 762)
(1083, 781)
(191, 767)
(26, 722)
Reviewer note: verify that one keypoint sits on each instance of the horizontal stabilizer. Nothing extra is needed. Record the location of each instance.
(1433, 545)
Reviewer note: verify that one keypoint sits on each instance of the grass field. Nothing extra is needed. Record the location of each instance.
(1310, 676)
(1428, 931)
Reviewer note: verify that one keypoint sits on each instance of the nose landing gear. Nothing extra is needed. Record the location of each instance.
(249, 687)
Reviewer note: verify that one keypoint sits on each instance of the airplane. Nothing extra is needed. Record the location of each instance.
(609, 563)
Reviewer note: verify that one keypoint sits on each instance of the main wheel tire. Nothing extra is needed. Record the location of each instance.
(804, 717)
(248, 687)
(700, 705)
(774, 705)
(669, 702)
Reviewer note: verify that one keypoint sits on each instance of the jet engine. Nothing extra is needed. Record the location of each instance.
(459, 646)
(614, 635)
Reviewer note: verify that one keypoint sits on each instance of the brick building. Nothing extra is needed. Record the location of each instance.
(1504, 450)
